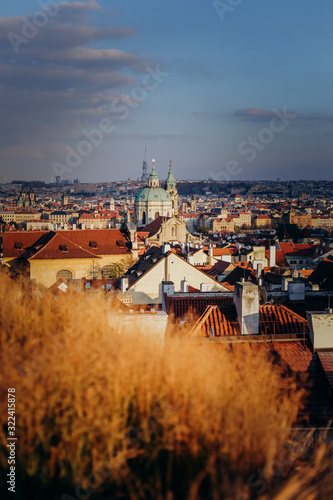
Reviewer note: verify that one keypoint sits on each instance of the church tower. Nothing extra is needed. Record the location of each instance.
(22, 199)
(64, 200)
(171, 188)
(193, 204)
(32, 197)
(112, 204)
(153, 181)
(144, 176)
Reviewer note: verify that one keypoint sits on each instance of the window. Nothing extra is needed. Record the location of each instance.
(65, 275)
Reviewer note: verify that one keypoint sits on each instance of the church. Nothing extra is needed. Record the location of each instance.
(153, 201)
(156, 211)
(26, 200)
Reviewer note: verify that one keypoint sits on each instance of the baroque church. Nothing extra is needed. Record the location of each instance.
(157, 210)
(153, 201)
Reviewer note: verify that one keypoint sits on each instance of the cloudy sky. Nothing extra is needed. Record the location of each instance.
(226, 89)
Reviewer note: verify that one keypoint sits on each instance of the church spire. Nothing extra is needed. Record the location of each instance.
(170, 183)
(153, 177)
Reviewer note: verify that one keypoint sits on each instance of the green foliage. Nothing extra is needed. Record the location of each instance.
(203, 229)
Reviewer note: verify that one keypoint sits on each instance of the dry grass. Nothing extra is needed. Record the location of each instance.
(184, 422)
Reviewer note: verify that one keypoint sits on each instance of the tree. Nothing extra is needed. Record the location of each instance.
(203, 229)
(117, 269)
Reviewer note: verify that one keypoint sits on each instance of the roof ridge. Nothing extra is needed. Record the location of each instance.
(290, 311)
(52, 235)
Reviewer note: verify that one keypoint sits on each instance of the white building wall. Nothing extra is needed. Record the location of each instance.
(148, 289)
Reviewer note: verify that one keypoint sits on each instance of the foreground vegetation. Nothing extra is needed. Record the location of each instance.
(103, 414)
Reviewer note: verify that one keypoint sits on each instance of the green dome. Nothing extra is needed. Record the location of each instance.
(153, 194)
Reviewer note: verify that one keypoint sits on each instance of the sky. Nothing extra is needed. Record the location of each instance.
(227, 90)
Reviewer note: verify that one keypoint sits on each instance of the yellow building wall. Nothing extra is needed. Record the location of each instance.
(45, 271)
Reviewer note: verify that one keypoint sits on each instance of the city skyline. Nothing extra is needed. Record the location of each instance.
(228, 92)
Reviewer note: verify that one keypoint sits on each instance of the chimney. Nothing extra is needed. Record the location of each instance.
(272, 254)
(246, 300)
(210, 255)
(184, 285)
(168, 288)
(259, 269)
(190, 259)
(123, 284)
(165, 248)
(74, 227)
(321, 329)
(205, 287)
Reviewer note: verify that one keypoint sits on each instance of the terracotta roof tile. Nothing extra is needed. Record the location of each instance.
(109, 241)
(56, 246)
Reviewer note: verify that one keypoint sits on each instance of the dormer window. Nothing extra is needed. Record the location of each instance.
(63, 248)
(18, 244)
(93, 244)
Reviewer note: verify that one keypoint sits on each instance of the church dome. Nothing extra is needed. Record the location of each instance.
(153, 194)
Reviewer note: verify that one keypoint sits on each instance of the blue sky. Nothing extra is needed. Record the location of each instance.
(223, 76)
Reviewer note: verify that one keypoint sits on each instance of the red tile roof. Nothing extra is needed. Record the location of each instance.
(184, 305)
(222, 318)
(56, 246)
(275, 319)
(225, 251)
(109, 241)
(212, 323)
(27, 238)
